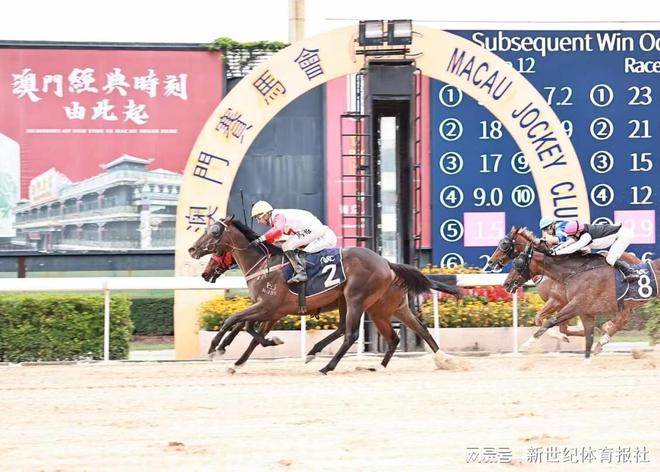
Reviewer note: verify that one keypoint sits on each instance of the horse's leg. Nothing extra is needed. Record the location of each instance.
(551, 306)
(260, 338)
(227, 341)
(568, 331)
(256, 312)
(408, 318)
(588, 322)
(566, 313)
(319, 346)
(353, 315)
(264, 329)
(384, 326)
(336, 334)
(611, 327)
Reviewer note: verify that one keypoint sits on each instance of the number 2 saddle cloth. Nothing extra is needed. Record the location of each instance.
(644, 288)
(325, 270)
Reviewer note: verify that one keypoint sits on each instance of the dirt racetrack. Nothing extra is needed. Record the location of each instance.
(284, 415)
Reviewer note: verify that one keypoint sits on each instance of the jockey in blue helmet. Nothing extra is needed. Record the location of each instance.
(553, 231)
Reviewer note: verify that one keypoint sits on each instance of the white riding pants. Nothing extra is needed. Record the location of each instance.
(316, 239)
(618, 243)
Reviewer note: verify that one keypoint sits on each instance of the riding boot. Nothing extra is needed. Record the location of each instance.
(629, 274)
(297, 259)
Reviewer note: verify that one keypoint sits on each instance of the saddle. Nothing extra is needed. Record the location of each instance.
(325, 271)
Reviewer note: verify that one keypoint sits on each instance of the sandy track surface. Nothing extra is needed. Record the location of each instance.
(283, 415)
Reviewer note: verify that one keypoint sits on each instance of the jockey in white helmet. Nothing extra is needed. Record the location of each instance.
(303, 229)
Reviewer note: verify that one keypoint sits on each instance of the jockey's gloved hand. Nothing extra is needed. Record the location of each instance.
(256, 242)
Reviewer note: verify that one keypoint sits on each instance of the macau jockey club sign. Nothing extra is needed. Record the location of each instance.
(243, 113)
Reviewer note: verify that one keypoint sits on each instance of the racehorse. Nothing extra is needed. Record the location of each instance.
(220, 263)
(367, 288)
(553, 292)
(590, 287)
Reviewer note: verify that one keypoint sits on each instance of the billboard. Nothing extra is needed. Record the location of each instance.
(601, 87)
(93, 143)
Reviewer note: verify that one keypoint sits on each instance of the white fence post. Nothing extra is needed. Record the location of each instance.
(436, 318)
(303, 337)
(515, 322)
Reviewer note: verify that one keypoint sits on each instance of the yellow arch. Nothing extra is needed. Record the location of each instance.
(245, 111)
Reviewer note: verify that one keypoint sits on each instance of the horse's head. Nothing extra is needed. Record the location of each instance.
(510, 246)
(504, 252)
(212, 240)
(217, 265)
(521, 271)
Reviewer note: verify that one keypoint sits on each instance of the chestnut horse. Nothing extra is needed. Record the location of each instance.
(589, 284)
(367, 288)
(553, 292)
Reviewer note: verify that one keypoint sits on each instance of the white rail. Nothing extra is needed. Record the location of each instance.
(106, 284)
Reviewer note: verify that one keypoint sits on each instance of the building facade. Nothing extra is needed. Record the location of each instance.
(126, 207)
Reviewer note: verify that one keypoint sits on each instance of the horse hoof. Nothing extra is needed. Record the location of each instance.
(565, 339)
(277, 341)
(220, 352)
(231, 370)
(324, 371)
(597, 349)
(310, 358)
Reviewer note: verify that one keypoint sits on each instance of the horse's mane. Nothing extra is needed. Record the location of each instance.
(251, 235)
(526, 233)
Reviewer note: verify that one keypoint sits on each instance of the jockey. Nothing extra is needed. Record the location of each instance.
(553, 231)
(303, 228)
(599, 236)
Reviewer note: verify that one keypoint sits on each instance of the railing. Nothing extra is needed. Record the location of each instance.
(107, 284)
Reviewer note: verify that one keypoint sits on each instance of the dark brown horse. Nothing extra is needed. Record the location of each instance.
(589, 282)
(553, 292)
(220, 263)
(372, 285)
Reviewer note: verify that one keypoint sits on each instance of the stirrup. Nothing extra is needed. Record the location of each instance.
(631, 277)
(297, 278)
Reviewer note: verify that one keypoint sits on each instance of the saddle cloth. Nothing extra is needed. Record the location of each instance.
(325, 270)
(644, 288)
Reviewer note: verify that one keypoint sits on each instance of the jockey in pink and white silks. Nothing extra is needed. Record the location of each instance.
(599, 236)
(303, 229)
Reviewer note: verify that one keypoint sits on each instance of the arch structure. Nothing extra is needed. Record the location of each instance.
(256, 99)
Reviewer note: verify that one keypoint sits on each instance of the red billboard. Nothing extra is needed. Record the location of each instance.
(93, 143)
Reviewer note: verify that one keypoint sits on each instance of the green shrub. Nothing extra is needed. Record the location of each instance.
(651, 312)
(61, 327)
(153, 316)
(481, 307)
(215, 311)
(482, 310)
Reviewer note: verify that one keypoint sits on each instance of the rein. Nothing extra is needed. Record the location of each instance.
(264, 259)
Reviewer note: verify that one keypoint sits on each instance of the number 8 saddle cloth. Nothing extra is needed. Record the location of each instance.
(644, 288)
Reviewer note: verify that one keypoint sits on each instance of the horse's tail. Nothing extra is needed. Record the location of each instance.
(413, 280)
(446, 283)
(410, 278)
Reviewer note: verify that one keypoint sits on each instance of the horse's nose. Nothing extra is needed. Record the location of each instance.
(191, 251)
